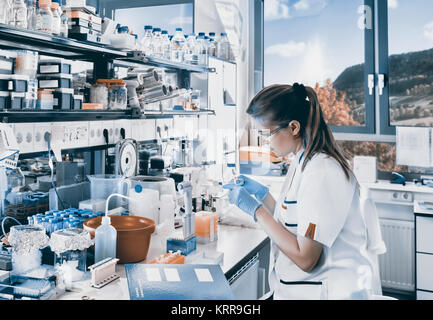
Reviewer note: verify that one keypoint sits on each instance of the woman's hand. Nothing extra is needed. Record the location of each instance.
(253, 187)
(239, 196)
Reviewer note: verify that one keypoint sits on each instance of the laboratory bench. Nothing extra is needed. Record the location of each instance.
(238, 244)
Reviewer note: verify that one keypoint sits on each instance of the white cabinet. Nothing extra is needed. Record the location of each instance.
(424, 295)
(424, 235)
(424, 268)
(424, 251)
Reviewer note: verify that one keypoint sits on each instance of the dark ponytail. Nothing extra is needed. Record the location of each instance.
(277, 105)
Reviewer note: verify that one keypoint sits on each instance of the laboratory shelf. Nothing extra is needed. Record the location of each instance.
(150, 114)
(47, 44)
(130, 62)
(17, 116)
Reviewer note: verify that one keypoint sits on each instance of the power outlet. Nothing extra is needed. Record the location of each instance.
(40, 129)
(108, 126)
(96, 137)
(24, 132)
(402, 196)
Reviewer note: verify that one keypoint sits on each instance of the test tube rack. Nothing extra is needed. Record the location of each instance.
(103, 272)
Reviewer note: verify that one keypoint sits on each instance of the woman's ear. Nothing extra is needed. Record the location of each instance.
(295, 128)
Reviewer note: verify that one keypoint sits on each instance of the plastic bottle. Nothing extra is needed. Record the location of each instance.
(46, 16)
(177, 45)
(56, 18)
(156, 43)
(147, 40)
(165, 45)
(20, 14)
(223, 47)
(212, 35)
(105, 240)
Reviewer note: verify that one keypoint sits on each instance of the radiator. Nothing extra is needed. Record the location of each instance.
(397, 265)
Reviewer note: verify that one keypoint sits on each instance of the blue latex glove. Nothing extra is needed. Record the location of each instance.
(253, 187)
(239, 196)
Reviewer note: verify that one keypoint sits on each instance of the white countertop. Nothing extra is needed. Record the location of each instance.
(235, 242)
(386, 185)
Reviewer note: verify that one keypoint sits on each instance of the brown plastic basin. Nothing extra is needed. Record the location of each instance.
(133, 236)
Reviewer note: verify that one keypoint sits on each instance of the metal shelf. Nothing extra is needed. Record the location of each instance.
(47, 44)
(19, 116)
(16, 116)
(130, 62)
(150, 114)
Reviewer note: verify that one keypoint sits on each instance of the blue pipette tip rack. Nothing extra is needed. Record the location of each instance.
(184, 246)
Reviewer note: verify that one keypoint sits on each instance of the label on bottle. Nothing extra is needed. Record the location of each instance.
(46, 23)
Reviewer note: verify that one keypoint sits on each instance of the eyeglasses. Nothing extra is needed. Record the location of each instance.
(267, 134)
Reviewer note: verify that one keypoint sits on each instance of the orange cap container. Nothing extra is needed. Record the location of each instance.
(203, 223)
(45, 3)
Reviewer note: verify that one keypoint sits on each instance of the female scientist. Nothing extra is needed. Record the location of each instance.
(318, 234)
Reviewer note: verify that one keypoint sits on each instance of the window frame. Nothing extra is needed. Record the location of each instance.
(377, 126)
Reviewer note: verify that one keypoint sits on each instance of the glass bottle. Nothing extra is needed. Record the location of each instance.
(211, 48)
(156, 44)
(46, 16)
(165, 45)
(223, 47)
(31, 14)
(56, 18)
(19, 14)
(64, 27)
(201, 50)
(147, 41)
(177, 45)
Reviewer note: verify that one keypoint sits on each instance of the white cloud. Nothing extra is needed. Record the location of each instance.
(392, 4)
(276, 10)
(180, 21)
(286, 50)
(314, 65)
(310, 7)
(428, 31)
(283, 9)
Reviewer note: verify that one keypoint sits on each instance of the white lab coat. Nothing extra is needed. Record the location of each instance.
(322, 204)
(375, 244)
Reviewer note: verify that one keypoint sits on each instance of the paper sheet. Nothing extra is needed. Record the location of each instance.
(413, 146)
(203, 275)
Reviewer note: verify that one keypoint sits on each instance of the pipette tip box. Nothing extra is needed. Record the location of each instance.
(184, 246)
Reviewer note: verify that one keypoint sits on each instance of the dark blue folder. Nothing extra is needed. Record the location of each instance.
(185, 282)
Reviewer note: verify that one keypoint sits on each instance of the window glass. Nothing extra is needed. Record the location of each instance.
(167, 17)
(410, 43)
(320, 44)
(385, 153)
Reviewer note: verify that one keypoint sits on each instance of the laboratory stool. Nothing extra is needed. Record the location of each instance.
(377, 297)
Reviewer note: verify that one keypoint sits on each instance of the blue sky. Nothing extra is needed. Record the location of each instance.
(312, 40)
(167, 17)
